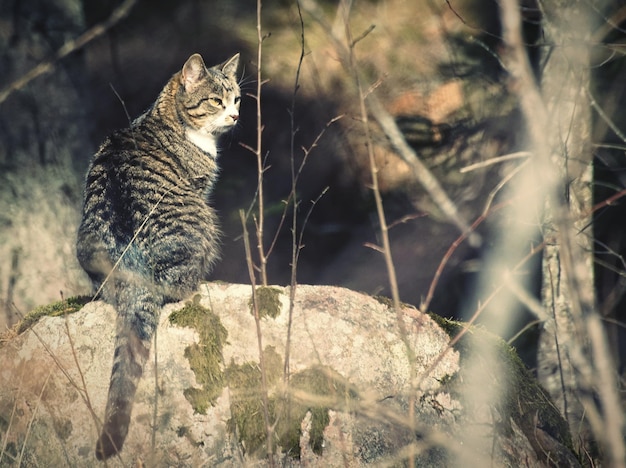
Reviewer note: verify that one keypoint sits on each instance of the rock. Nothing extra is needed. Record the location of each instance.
(353, 396)
(45, 132)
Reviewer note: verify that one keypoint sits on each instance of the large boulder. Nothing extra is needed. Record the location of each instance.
(364, 385)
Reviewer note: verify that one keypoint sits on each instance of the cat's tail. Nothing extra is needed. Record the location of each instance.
(138, 310)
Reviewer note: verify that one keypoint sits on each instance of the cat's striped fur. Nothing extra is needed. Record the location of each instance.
(148, 233)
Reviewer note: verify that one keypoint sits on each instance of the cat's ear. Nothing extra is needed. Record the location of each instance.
(193, 72)
(229, 67)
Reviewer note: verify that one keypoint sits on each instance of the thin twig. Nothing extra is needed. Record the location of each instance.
(155, 411)
(606, 388)
(607, 120)
(384, 230)
(391, 271)
(446, 257)
(527, 299)
(10, 423)
(57, 362)
(505, 180)
(496, 160)
(257, 321)
(260, 170)
(84, 391)
(293, 194)
(421, 173)
(290, 197)
(572, 265)
(128, 118)
(467, 326)
(524, 329)
(32, 418)
(363, 35)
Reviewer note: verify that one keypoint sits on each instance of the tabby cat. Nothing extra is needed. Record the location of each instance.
(148, 234)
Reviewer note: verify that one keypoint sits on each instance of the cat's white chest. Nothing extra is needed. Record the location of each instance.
(205, 142)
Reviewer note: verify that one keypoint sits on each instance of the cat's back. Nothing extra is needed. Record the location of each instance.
(135, 181)
(138, 148)
(134, 163)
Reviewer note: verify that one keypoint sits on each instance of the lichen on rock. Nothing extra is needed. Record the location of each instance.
(205, 357)
(268, 302)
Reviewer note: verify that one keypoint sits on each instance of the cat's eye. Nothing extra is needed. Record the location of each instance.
(215, 101)
(237, 99)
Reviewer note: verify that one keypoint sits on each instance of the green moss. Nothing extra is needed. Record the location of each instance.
(524, 400)
(10, 452)
(530, 397)
(323, 389)
(4, 424)
(246, 403)
(268, 300)
(387, 301)
(56, 309)
(205, 357)
(200, 398)
(315, 389)
(63, 428)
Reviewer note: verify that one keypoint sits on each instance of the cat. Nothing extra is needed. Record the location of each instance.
(148, 234)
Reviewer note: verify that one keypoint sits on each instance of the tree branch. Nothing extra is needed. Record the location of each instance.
(66, 49)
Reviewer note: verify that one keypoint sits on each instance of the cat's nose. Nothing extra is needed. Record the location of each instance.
(235, 117)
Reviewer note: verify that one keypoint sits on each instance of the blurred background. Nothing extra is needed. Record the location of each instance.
(434, 65)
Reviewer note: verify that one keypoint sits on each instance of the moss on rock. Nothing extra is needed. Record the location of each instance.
(317, 389)
(56, 309)
(246, 405)
(268, 300)
(205, 357)
(523, 399)
(63, 427)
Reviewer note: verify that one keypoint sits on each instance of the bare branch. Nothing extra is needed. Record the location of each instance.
(423, 175)
(68, 48)
(257, 320)
(363, 35)
(496, 160)
(260, 163)
(435, 281)
(605, 117)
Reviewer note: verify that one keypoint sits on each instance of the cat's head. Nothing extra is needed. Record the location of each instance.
(209, 97)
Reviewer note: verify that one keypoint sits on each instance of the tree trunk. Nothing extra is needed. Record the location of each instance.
(567, 289)
(573, 362)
